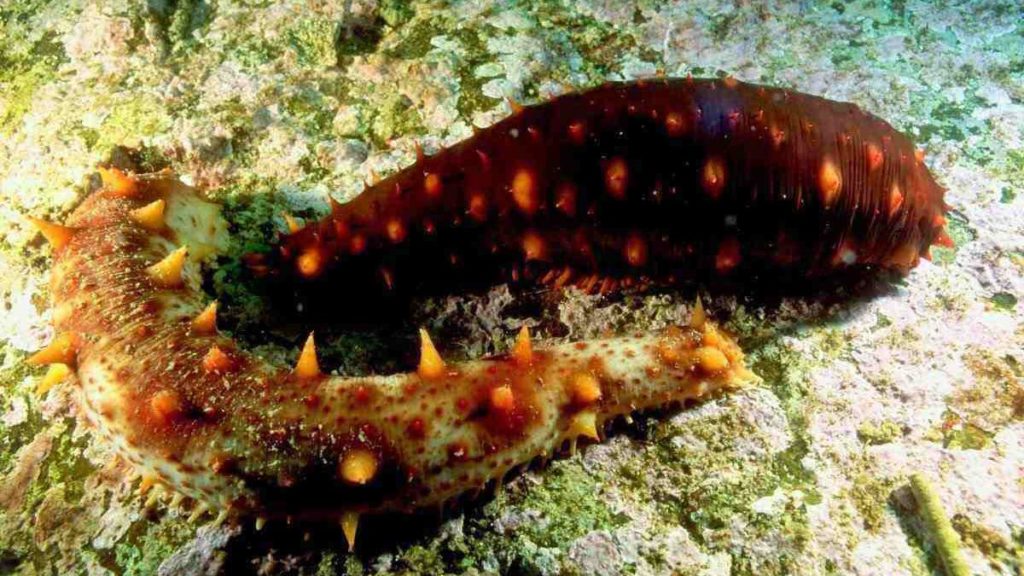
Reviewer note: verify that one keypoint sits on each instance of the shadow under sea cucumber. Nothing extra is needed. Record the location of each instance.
(625, 185)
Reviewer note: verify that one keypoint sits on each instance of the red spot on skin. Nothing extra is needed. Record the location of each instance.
(713, 177)
(477, 207)
(462, 404)
(577, 132)
(636, 251)
(432, 184)
(675, 125)
(361, 394)
(524, 191)
(616, 178)
(395, 230)
(416, 428)
(728, 256)
(458, 451)
(565, 199)
(875, 157)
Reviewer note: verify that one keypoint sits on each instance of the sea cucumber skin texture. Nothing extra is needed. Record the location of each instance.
(251, 438)
(650, 180)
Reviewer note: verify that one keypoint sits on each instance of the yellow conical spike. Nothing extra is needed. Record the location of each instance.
(176, 500)
(147, 482)
(167, 273)
(197, 513)
(150, 216)
(57, 235)
(261, 521)
(349, 525)
(206, 321)
(431, 364)
(61, 350)
(307, 365)
(154, 496)
(293, 225)
(698, 317)
(54, 375)
(522, 351)
(117, 182)
(358, 466)
(584, 424)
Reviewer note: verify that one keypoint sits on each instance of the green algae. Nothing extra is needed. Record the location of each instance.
(150, 542)
(1002, 552)
(883, 432)
(131, 121)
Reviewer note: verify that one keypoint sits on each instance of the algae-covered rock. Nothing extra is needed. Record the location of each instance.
(274, 107)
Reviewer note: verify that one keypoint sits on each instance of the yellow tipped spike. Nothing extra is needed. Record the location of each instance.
(54, 375)
(154, 496)
(206, 321)
(221, 517)
(711, 359)
(117, 182)
(176, 500)
(167, 273)
(261, 521)
(358, 466)
(198, 512)
(584, 424)
(307, 365)
(522, 351)
(349, 525)
(293, 225)
(57, 235)
(60, 351)
(147, 482)
(698, 316)
(150, 216)
(431, 364)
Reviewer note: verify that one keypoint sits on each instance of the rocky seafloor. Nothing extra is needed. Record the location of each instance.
(273, 106)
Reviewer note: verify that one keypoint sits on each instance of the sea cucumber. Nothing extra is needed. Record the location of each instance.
(651, 181)
(645, 180)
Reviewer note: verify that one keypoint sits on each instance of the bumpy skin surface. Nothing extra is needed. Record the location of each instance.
(627, 181)
(657, 180)
(240, 435)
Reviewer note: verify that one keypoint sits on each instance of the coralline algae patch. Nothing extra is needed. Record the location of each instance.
(256, 106)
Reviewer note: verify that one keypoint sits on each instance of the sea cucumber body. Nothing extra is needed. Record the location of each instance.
(645, 180)
(626, 182)
(205, 418)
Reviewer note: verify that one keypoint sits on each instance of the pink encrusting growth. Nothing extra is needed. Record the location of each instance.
(623, 185)
(201, 417)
